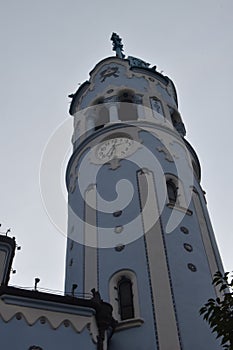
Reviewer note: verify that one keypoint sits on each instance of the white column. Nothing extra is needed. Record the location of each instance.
(90, 239)
(141, 111)
(90, 122)
(113, 113)
(158, 269)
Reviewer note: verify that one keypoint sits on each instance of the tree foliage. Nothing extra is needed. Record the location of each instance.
(219, 312)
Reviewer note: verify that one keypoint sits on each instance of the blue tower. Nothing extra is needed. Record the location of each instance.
(138, 227)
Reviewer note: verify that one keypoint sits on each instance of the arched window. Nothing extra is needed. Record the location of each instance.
(171, 191)
(123, 292)
(176, 192)
(125, 296)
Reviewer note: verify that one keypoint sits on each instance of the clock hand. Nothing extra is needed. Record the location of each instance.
(110, 153)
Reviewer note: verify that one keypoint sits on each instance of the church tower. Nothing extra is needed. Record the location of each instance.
(138, 227)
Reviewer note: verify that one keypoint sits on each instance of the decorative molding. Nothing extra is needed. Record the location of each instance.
(91, 187)
(114, 163)
(118, 229)
(134, 322)
(144, 171)
(79, 317)
(137, 62)
(182, 209)
(167, 154)
(109, 72)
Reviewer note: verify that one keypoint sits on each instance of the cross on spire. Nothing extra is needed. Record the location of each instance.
(117, 45)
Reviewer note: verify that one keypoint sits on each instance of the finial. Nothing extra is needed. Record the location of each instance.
(117, 45)
(37, 280)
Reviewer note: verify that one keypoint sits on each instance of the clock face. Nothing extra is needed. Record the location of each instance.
(119, 147)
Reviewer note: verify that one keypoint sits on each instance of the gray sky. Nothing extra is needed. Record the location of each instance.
(49, 47)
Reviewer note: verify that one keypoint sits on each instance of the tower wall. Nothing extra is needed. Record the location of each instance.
(137, 214)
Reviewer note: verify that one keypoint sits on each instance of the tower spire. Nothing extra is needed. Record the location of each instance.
(117, 45)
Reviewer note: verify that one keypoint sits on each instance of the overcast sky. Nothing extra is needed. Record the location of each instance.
(49, 47)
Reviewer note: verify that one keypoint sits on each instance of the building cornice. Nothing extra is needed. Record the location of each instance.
(55, 310)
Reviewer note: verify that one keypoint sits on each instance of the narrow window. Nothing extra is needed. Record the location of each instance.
(171, 191)
(125, 295)
(156, 106)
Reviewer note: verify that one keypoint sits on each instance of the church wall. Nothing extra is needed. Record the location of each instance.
(19, 335)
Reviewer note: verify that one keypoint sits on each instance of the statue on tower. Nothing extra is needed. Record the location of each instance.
(117, 45)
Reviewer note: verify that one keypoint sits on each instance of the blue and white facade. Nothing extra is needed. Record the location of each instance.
(138, 228)
(141, 251)
(34, 320)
